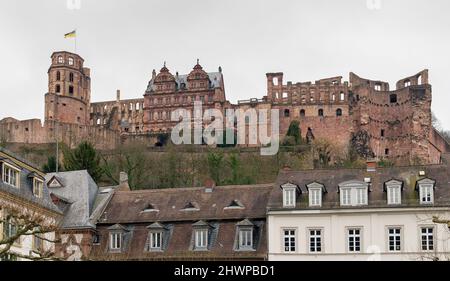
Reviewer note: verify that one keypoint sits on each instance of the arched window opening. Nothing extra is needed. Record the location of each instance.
(286, 113)
(71, 77)
(321, 112)
(407, 83)
(302, 113)
(58, 76)
(339, 112)
(70, 61)
(60, 59)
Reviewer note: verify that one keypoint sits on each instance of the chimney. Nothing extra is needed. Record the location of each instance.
(371, 165)
(123, 182)
(209, 185)
(118, 95)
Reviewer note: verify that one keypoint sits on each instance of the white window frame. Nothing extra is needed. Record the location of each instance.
(398, 236)
(423, 189)
(156, 240)
(354, 195)
(394, 194)
(245, 238)
(38, 187)
(115, 241)
(433, 238)
(201, 239)
(354, 236)
(7, 172)
(313, 240)
(291, 242)
(289, 197)
(315, 197)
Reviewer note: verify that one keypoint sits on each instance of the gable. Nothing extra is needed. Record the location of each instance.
(54, 183)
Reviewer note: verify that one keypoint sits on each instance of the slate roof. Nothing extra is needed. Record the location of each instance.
(331, 178)
(128, 206)
(25, 191)
(83, 202)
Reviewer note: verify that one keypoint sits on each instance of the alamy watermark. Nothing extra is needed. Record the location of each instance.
(212, 128)
(373, 4)
(73, 4)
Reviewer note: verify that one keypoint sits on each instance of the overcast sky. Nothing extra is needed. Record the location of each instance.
(123, 40)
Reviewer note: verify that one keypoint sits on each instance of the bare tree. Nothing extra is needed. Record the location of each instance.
(24, 222)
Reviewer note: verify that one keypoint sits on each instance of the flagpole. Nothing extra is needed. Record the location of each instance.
(75, 41)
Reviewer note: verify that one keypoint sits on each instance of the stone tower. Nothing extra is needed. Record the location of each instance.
(69, 90)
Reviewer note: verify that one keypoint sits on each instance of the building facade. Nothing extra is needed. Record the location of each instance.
(360, 215)
(25, 207)
(365, 114)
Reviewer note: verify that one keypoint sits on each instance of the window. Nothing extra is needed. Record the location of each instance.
(58, 76)
(302, 113)
(339, 112)
(342, 96)
(9, 227)
(393, 98)
(354, 240)
(346, 198)
(289, 199)
(426, 193)
(70, 61)
(10, 175)
(382, 133)
(156, 240)
(286, 113)
(115, 241)
(71, 77)
(394, 195)
(60, 59)
(378, 87)
(394, 239)
(289, 240)
(37, 243)
(386, 151)
(71, 90)
(353, 193)
(407, 83)
(245, 239)
(427, 238)
(58, 89)
(320, 112)
(361, 196)
(315, 197)
(333, 97)
(315, 241)
(201, 239)
(38, 187)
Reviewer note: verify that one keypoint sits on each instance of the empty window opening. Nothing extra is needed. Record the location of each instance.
(321, 112)
(342, 96)
(407, 83)
(382, 133)
(386, 151)
(393, 98)
(302, 113)
(71, 77)
(71, 90)
(285, 95)
(286, 113)
(377, 87)
(58, 89)
(419, 80)
(58, 76)
(339, 112)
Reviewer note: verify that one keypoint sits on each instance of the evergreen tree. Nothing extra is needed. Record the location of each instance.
(84, 157)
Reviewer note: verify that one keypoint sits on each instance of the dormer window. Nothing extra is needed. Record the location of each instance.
(245, 235)
(10, 175)
(289, 195)
(235, 204)
(191, 206)
(117, 235)
(426, 191)
(156, 237)
(353, 193)
(201, 236)
(393, 189)
(315, 191)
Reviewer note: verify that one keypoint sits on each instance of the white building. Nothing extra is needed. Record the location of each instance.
(25, 204)
(359, 214)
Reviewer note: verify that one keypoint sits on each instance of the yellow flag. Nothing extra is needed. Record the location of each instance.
(71, 34)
